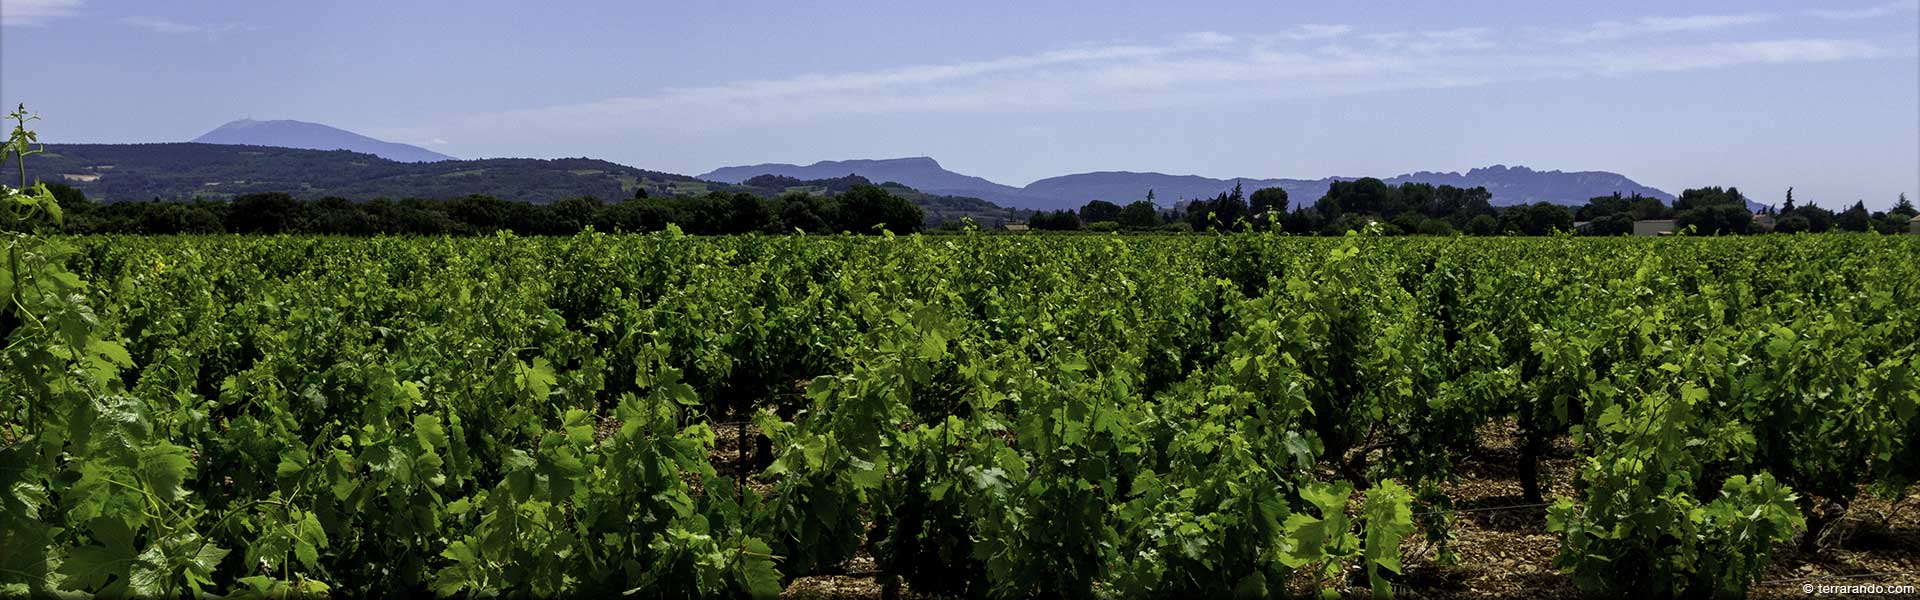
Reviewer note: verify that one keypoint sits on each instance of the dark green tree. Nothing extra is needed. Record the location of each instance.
(867, 208)
(1271, 199)
(1719, 219)
(1140, 214)
(802, 211)
(1540, 218)
(339, 216)
(1620, 223)
(1456, 205)
(481, 214)
(1437, 227)
(747, 213)
(1716, 211)
(1712, 196)
(572, 215)
(1483, 225)
(270, 212)
(1790, 223)
(1819, 220)
(1099, 210)
(1303, 221)
(635, 216)
(1636, 208)
(1854, 219)
(1058, 220)
(1222, 213)
(1199, 214)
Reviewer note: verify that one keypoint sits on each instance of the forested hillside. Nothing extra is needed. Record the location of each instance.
(120, 172)
(113, 173)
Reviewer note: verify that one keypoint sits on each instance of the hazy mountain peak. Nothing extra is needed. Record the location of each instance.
(286, 133)
(1510, 184)
(918, 172)
(909, 161)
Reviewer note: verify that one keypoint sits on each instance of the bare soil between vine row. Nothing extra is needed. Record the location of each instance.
(1507, 552)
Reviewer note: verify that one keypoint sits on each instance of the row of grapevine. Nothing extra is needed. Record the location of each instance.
(990, 416)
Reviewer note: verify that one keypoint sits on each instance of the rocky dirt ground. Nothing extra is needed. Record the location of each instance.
(1506, 551)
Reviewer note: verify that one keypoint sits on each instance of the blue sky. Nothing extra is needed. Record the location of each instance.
(1822, 96)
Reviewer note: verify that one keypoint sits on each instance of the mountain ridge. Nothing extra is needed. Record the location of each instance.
(218, 170)
(926, 171)
(1509, 184)
(189, 170)
(287, 133)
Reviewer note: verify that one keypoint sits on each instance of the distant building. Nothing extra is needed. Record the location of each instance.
(1762, 223)
(1653, 227)
(1583, 227)
(1913, 225)
(1016, 227)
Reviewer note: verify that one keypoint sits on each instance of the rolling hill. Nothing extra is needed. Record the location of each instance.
(119, 172)
(179, 171)
(920, 173)
(313, 136)
(1509, 185)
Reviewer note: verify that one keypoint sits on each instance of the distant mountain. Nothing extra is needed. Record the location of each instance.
(130, 172)
(123, 172)
(313, 136)
(920, 173)
(1509, 185)
(1521, 185)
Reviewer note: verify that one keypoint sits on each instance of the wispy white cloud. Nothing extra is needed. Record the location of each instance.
(36, 13)
(1721, 55)
(1897, 7)
(1187, 71)
(1309, 32)
(1430, 42)
(165, 25)
(1205, 39)
(1647, 26)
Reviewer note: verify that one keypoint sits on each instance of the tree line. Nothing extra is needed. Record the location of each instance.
(1426, 209)
(859, 208)
(855, 206)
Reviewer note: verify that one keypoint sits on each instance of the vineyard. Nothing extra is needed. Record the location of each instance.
(666, 416)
